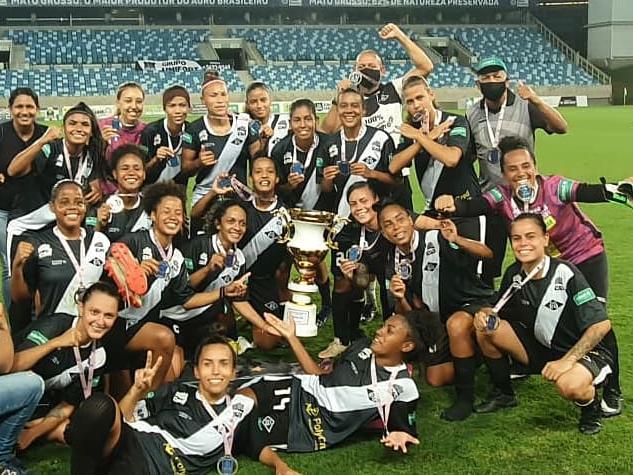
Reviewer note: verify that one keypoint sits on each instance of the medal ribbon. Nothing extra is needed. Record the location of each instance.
(171, 146)
(383, 407)
(516, 286)
(361, 133)
(309, 153)
(86, 383)
(494, 137)
(81, 167)
(226, 430)
(165, 256)
(77, 265)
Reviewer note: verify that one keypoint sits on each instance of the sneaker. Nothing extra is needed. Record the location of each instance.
(127, 274)
(334, 349)
(323, 315)
(497, 400)
(611, 404)
(368, 313)
(590, 418)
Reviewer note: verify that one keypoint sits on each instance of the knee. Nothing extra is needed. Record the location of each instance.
(571, 388)
(164, 340)
(459, 325)
(437, 379)
(33, 386)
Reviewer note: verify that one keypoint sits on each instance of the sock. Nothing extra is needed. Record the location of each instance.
(613, 381)
(324, 291)
(340, 307)
(370, 294)
(499, 369)
(465, 389)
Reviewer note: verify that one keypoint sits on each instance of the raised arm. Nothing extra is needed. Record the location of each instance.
(421, 62)
(472, 247)
(23, 161)
(554, 121)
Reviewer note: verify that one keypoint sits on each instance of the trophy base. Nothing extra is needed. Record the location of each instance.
(302, 288)
(304, 315)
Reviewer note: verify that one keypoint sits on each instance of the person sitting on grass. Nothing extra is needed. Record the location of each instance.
(552, 323)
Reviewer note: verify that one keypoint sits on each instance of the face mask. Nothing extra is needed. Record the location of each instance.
(492, 90)
(371, 78)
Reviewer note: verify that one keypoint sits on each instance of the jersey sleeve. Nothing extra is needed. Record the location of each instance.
(191, 141)
(566, 189)
(277, 154)
(40, 332)
(494, 198)
(179, 289)
(402, 417)
(30, 268)
(587, 309)
(397, 85)
(91, 217)
(154, 402)
(386, 154)
(42, 158)
(459, 135)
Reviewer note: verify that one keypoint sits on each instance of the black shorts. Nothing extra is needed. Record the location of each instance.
(496, 239)
(596, 271)
(471, 308)
(127, 456)
(273, 411)
(439, 354)
(263, 295)
(115, 342)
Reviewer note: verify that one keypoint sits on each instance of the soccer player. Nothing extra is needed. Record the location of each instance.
(438, 268)
(317, 410)
(126, 125)
(78, 156)
(164, 138)
(66, 351)
(55, 265)
(122, 213)
(179, 428)
(553, 324)
(140, 329)
(258, 106)
(15, 136)
(362, 154)
(439, 143)
(572, 235)
(360, 254)
(214, 260)
(19, 396)
(221, 143)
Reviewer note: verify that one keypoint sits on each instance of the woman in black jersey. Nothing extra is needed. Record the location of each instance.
(221, 142)
(78, 156)
(52, 266)
(66, 352)
(258, 106)
(122, 212)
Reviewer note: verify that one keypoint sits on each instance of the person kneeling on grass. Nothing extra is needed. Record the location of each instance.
(315, 411)
(552, 323)
(179, 428)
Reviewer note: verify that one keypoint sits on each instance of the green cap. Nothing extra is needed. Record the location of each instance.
(490, 64)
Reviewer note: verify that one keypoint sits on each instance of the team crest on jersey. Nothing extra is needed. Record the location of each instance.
(333, 150)
(430, 249)
(241, 131)
(553, 305)
(146, 254)
(267, 423)
(203, 259)
(365, 353)
(384, 98)
(371, 394)
(287, 158)
(96, 262)
(175, 267)
(203, 135)
(430, 266)
(396, 391)
(272, 305)
(238, 410)
(559, 284)
(180, 398)
(227, 279)
(375, 146)
(44, 250)
(157, 139)
(371, 160)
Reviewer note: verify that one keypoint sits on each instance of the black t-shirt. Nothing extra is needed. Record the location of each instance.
(175, 427)
(49, 167)
(59, 368)
(126, 221)
(10, 145)
(325, 410)
(262, 252)
(163, 292)
(201, 134)
(375, 149)
(374, 248)
(155, 136)
(50, 271)
(558, 308)
(285, 153)
(437, 179)
(444, 277)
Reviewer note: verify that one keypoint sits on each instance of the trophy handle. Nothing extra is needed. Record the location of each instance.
(288, 227)
(337, 225)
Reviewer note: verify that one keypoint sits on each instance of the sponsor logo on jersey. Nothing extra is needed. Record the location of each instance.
(44, 250)
(287, 158)
(186, 137)
(496, 195)
(282, 125)
(430, 249)
(177, 466)
(241, 131)
(146, 253)
(315, 424)
(188, 264)
(458, 132)
(46, 150)
(333, 150)
(180, 398)
(203, 259)
(60, 160)
(141, 411)
(353, 366)
(267, 424)
(238, 410)
(365, 353)
(559, 284)
(584, 296)
(37, 337)
(554, 305)
(203, 135)
(375, 146)
(58, 262)
(157, 139)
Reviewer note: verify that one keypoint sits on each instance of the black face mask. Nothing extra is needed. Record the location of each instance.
(371, 78)
(493, 90)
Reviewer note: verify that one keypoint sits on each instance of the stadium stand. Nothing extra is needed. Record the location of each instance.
(95, 62)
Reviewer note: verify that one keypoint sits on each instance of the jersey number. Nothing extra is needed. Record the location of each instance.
(283, 401)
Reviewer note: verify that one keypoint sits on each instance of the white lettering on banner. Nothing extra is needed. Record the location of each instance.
(403, 3)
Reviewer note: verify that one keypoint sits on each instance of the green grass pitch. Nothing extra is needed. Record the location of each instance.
(540, 436)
